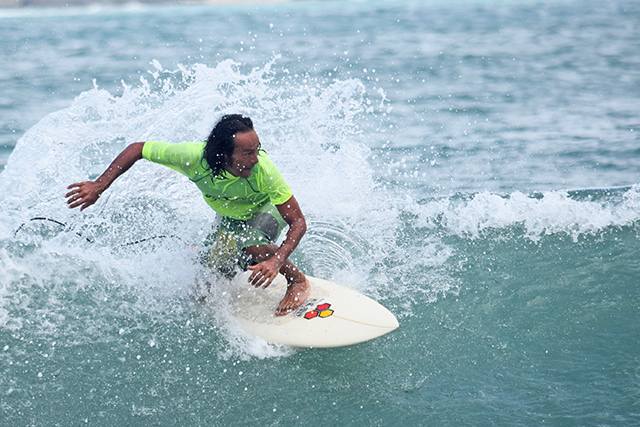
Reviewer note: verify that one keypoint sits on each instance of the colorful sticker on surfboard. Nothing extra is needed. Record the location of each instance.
(322, 311)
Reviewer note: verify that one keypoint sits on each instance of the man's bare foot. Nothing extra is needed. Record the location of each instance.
(297, 293)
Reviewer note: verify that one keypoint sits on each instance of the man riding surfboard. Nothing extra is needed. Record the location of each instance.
(238, 181)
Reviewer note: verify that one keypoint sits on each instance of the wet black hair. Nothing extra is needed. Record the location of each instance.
(221, 143)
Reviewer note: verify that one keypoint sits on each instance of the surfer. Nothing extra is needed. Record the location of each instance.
(237, 180)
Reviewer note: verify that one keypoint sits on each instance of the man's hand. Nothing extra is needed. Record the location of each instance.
(84, 194)
(263, 273)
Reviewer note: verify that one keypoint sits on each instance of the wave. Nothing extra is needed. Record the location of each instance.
(575, 213)
(115, 250)
(129, 263)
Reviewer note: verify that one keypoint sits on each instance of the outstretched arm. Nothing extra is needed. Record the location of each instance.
(85, 194)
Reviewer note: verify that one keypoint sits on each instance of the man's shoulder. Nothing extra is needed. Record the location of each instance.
(265, 163)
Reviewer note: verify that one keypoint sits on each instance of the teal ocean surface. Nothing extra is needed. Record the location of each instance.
(472, 166)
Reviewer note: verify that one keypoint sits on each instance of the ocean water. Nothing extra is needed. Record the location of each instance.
(473, 166)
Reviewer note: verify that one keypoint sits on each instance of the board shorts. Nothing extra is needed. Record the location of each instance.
(233, 235)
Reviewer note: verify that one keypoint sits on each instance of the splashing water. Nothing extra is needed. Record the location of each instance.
(515, 308)
(312, 131)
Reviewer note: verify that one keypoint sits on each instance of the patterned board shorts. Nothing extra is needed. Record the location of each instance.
(226, 244)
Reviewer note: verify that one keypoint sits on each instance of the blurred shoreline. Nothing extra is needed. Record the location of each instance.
(63, 3)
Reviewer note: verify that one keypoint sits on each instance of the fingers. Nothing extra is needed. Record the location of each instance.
(261, 276)
(80, 195)
(77, 189)
(74, 202)
(85, 205)
(261, 280)
(75, 199)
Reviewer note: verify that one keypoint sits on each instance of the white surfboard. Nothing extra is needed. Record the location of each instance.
(332, 316)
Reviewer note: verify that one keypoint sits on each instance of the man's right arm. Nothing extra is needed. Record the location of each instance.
(85, 194)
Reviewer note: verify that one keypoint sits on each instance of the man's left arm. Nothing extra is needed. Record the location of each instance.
(292, 214)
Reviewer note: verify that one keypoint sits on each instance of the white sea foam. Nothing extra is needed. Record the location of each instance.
(554, 212)
(309, 129)
(378, 240)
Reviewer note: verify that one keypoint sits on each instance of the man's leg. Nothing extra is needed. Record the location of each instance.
(222, 253)
(298, 287)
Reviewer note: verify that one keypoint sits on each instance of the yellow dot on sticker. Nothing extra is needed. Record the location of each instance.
(326, 313)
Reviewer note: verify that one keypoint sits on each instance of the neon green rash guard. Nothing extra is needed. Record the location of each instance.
(229, 196)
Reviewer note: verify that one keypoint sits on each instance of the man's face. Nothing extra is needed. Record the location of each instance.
(245, 154)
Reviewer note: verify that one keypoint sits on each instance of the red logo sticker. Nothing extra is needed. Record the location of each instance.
(322, 311)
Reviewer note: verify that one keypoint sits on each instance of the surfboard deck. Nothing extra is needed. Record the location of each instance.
(332, 316)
